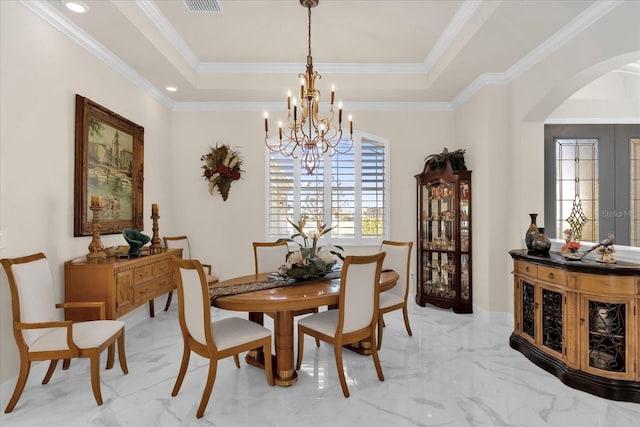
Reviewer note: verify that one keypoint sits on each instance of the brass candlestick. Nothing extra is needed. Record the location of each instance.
(155, 240)
(96, 248)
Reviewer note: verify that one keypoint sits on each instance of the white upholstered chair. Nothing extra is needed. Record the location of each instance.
(182, 242)
(355, 319)
(212, 340)
(39, 333)
(268, 257)
(398, 259)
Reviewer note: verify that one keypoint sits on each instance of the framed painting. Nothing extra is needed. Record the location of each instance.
(109, 164)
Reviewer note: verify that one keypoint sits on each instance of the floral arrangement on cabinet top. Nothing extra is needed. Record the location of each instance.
(310, 261)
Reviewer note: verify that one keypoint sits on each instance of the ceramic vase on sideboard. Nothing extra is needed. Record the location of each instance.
(541, 243)
(532, 231)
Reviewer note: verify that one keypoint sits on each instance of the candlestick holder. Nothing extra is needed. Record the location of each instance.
(155, 240)
(96, 248)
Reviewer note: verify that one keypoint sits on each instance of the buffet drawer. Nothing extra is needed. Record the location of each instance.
(553, 275)
(527, 268)
(151, 289)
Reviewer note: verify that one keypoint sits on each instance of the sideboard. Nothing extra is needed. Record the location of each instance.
(579, 321)
(123, 284)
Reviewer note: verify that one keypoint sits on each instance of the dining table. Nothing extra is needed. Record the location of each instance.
(283, 301)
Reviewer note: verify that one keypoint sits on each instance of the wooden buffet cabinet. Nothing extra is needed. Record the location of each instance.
(579, 321)
(122, 283)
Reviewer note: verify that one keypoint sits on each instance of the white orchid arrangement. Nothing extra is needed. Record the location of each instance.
(310, 260)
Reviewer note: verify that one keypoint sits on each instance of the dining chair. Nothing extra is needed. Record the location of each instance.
(356, 317)
(41, 336)
(213, 340)
(268, 257)
(182, 242)
(398, 259)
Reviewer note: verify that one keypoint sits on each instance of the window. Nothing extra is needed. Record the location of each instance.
(601, 164)
(352, 195)
(577, 186)
(635, 191)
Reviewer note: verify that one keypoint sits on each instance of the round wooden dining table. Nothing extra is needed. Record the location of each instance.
(283, 301)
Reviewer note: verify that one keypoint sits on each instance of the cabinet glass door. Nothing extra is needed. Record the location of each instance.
(607, 336)
(439, 216)
(552, 319)
(529, 309)
(439, 274)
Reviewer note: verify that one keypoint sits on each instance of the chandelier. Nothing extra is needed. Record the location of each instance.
(305, 134)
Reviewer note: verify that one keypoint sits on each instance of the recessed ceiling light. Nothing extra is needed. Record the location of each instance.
(171, 88)
(76, 6)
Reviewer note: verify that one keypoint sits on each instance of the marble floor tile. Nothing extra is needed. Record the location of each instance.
(456, 370)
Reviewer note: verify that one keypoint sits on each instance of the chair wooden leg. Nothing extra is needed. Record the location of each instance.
(168, 303)
(186, 352)
(52, 367)
(211, 378)
(65, 364)
(122, 357)
(300, 347)
(405, 313)
(236, 360)
(17, 391)
(380, 326)
(268, 369)
(337, 349)
(95, 376)
(376, 359)
(111, 353)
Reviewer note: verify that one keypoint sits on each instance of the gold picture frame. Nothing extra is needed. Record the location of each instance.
(109, 162)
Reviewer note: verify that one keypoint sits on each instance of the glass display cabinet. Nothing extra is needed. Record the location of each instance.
(444, 237)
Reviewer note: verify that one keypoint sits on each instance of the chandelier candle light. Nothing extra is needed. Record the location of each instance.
(306, 135)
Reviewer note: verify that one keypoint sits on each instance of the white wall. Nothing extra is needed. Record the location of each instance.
(612, 98)
(40, 73)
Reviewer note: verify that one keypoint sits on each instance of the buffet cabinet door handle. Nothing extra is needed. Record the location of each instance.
(550, 276)
(582, 321)
(526, 269)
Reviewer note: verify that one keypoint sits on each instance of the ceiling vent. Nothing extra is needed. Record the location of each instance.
(203, 6)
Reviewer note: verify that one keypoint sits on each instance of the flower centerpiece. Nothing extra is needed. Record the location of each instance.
(222, 166)
(309, 261)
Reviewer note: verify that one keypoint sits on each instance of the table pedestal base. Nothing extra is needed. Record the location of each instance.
(362, 347)
(280, 378)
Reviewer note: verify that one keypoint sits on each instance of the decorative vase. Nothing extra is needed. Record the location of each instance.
(541, 243)
(532, 231)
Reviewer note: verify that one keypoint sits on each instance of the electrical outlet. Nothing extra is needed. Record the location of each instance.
(3, 239)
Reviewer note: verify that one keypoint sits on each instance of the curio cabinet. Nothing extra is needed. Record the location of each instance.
(444, 235)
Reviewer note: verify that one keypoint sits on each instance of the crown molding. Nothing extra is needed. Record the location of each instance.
(580, 23)
(278, 106)
(169, 32)
(456, 25)
(49, 14)
(60, 22)
(294, 68)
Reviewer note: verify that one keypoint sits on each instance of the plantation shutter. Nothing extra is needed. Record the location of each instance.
(351, 195)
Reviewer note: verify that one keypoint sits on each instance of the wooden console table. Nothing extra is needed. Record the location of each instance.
(579, 321)
(123, 284)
